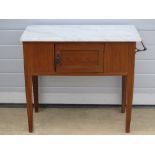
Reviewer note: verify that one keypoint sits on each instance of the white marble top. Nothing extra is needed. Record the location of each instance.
(80, 33)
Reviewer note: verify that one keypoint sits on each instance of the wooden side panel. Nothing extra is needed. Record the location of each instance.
(40, 56)
(79, 57)
(116, 58)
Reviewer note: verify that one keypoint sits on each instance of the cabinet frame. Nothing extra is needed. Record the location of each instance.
(35, 66)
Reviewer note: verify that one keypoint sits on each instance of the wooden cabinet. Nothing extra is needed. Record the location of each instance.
(85, 50)
(79, 57)
(117, 57)
(39, 57)
(52, 58)
(49, 58)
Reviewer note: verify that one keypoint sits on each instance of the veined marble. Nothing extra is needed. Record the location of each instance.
(80, 33)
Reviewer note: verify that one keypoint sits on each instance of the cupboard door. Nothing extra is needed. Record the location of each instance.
(116, 57)
(79, 57)
(40, 57)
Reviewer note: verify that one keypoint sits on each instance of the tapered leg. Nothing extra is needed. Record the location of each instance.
(124, 92)
(130, 82)
(130, 85)
(28, 89)
(35, 92)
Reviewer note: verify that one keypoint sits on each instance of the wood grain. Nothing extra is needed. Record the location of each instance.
(79, 57)
(28, 88)
(41, 57)
(116, 58)
(76, 59)
(130, 85)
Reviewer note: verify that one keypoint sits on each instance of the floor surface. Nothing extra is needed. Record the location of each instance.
(77, 121)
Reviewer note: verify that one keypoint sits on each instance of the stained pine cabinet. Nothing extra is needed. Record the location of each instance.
(85, 50)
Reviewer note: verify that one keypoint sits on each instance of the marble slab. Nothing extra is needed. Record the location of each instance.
(81, 33)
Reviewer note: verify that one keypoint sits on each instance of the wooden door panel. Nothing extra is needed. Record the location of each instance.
(116, 58)
(80, 57)
(40, 56)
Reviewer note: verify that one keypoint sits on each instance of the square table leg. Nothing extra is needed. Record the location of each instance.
(28, 90)
(129, 87)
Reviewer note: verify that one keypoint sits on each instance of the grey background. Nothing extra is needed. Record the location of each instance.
(11, 61)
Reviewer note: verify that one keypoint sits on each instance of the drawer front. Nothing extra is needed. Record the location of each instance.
(79, 57)
(117, 57)
(39, 57)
